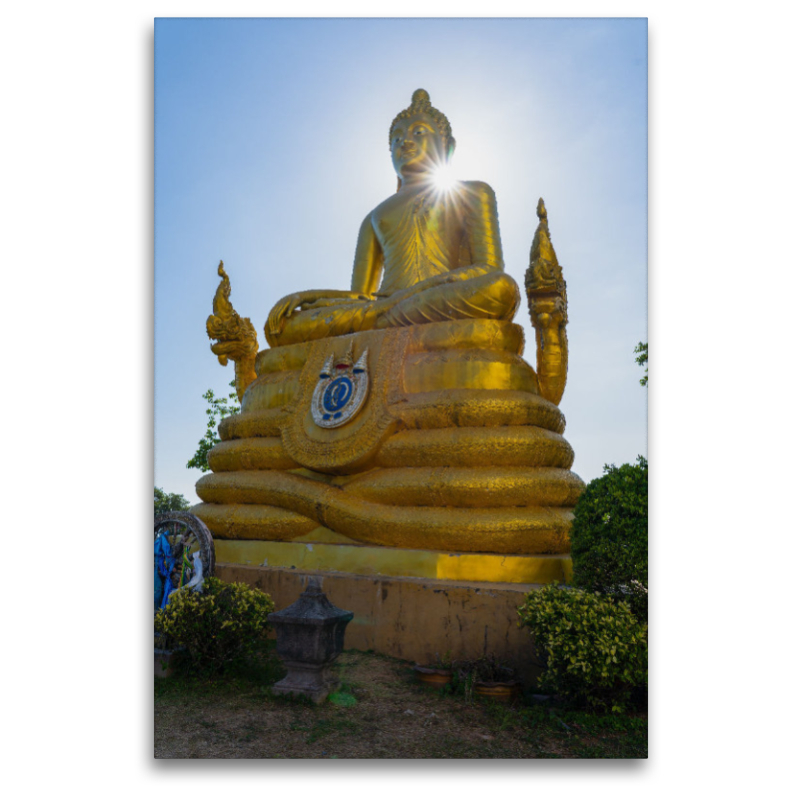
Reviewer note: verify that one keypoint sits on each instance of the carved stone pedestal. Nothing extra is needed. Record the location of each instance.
(310, 635)
(315, 681)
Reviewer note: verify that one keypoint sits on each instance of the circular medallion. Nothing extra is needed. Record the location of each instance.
(340, 391)
(337, 394)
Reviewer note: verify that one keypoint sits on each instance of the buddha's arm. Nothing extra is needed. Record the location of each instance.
(366, 274)
(368, 263)
(483, 230)
(299, 301)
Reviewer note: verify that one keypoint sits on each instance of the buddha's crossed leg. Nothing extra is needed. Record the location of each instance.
(490, 296)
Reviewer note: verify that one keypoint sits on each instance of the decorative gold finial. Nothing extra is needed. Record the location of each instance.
(547, 304)
(543, 260)
(221, 304)
(347, 359)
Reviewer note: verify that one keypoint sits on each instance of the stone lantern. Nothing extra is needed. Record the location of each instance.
(310, 635)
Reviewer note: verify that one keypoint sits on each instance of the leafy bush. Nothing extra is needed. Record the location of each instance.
(220, 626)
(218, 409)
(609, 536)
(594, 649)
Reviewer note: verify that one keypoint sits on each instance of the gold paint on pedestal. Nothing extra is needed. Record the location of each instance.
(455, 466)
(393, 562)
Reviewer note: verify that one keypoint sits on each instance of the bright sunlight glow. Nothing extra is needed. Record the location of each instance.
(443, 178)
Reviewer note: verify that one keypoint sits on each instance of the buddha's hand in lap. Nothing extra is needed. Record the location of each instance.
(301, 301)
(326, 302)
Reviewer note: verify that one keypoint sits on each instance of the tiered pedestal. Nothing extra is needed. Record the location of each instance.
(430, 513)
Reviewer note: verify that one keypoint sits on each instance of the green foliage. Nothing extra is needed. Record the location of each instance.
(252, 678)
(641, 360)
(442, 662)
(609, 536)
(343, 699)
(594, 650)
(220, 626)
(218, 409)
(168, 502)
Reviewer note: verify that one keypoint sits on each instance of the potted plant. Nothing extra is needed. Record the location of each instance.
(437, 674)
(489, 677)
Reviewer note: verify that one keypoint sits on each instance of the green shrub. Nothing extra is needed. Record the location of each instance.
(609, 536)
(220, 626)
(594, 649)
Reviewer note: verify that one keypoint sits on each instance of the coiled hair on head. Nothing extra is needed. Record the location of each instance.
(421, 104)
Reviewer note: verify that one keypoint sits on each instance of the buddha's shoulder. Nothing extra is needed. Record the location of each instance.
(389, 205)
(478, 190)
(478, 186)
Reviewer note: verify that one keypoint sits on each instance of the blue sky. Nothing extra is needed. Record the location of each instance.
(271, 147)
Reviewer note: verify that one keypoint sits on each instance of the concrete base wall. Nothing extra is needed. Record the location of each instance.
(412, 618)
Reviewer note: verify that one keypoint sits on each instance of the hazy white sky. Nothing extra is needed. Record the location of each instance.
(271, 145)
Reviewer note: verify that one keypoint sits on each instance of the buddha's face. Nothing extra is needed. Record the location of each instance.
(417, 146)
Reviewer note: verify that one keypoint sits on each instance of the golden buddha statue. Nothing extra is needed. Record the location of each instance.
(401, 413)
(437, 251)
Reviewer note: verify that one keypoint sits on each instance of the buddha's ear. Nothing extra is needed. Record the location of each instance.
(399, 184)
(450, 147)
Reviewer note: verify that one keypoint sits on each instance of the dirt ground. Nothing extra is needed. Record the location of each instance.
(383, 713)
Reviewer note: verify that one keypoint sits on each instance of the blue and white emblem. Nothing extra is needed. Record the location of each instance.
(340, 391)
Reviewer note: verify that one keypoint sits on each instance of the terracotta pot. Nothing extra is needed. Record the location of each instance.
(433, 677)
(503, 691)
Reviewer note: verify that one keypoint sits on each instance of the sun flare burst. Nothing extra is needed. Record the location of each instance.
(444, 178)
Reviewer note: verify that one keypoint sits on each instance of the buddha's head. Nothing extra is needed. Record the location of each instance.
(420, 137)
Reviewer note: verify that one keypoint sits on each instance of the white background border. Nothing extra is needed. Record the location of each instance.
(77, 244)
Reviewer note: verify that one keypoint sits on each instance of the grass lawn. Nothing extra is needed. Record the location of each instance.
(382, 713)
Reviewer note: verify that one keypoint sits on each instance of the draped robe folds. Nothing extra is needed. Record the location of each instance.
(440, 258)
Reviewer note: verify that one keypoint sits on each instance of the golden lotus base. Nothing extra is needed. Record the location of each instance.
(395, 562)
(411, 618)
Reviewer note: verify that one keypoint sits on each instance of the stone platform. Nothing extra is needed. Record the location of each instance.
(413, 618)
